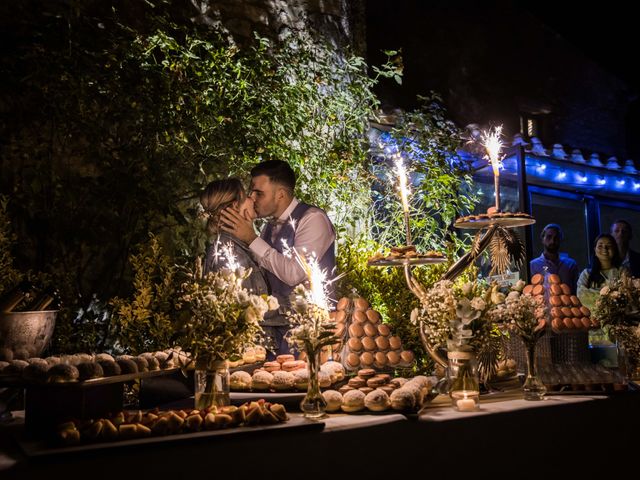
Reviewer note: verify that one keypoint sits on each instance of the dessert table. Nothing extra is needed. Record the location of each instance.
(560, 436)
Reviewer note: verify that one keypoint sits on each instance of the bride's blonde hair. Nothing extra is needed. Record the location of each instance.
(217, 196)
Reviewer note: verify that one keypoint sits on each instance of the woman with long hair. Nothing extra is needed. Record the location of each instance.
(606, 266)
(225, 249)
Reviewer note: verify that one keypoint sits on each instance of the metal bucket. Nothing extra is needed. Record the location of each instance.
(26, 334)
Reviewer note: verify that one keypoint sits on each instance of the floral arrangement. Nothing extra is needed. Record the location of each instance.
(517, 315)
(617, 305)
(457, 316)
(311, 326)
(220, 316)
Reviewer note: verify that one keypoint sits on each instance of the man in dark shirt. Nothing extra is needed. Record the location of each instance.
(550, 260)
(622, 232)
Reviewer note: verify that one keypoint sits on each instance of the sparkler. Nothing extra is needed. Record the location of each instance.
(493, 145)
(401, 173)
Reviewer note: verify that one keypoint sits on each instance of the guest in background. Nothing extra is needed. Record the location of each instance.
(564, 266)
(622, 232)
(606, 266)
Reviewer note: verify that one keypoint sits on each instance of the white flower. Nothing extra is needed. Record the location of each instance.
(519, 286)
(497, 297)
(513, 296)
(251, 315)
(478, 303)
(605, 290)
(414, 316)
(467, 288)
(273, 302)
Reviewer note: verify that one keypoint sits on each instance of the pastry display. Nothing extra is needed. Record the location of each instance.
(492, 215)
(366, 341)
(560, 309)
(130, 425)
(407, 252)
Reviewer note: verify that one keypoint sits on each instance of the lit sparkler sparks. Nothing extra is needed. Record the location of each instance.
(493, 145)
(401, 173)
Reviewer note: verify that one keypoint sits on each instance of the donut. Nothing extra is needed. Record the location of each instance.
(87, 370)
(127, 366)
(382, 343)
(554, 278)
(377, 401)
(566, 289)
(359, 317)
(324, 379)
(370, 330)
(360, 304)
(261, 380)
(398, 381)
(285, 358)
(36, 370)
(271, 366)
(537, 279)
(373, 316)
(240, 381)
(336, 368)
(333, 399)
(402, 400)
(368, 343)
(109, 368)
(62, 373)
(354, 344)
(301, 379)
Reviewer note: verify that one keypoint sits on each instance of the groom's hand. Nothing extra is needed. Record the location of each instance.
(237, 225)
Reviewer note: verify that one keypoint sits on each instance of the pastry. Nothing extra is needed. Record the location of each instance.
(353, 401)
(359, 316)
(334, 368)
(293, 365)
(333, 399)
(36, 370)
(393, 358)
(395, 343)
(406, 358)
(360, 304)
(240, 381)
(375, 382)
(343, 303)
(398, 381)
(141, 362)
(377, 401)
(324, 379)
(373, 316)
(370, 330)
(249, 355)
(109, 368)
(366, 390)
(62, 373)
(164, 360)
(384, 330)
(382, 343)
(105, 356)
(356, 330)
(87, 370)
(285, 358)
(272, 366)
(127, 366)
(345, 388)
(353, 360)
(301, 379)
(380, 360)
(261, 381)
(283, 381)
(366, 373)
(261, 353)
(357, 382)
(368, 343)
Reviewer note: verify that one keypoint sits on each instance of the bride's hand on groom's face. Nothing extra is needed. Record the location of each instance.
(238, 225)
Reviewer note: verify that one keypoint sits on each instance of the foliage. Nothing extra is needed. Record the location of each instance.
(519, 315)
(218, 316)
(121, 113)
(428, 142)
(144, 323)
(10, 275)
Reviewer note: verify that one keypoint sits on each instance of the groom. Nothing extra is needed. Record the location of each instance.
(293, 224)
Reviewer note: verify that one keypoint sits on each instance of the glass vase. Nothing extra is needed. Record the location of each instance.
(313, 405)
(211, 384)
(533, 387)
(464, 380)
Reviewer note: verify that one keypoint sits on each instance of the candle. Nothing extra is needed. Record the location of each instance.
(466, 405)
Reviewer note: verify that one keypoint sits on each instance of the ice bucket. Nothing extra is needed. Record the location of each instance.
(26, 334)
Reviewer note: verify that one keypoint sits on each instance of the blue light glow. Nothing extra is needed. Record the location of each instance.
(562, 174)
(601, 180)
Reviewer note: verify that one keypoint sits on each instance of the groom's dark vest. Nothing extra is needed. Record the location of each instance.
(279, 289)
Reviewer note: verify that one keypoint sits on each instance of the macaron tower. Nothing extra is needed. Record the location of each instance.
(366, 342)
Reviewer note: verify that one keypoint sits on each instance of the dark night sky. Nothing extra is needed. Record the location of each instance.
(607, 33)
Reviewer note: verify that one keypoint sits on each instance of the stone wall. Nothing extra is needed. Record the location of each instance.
(339, 22)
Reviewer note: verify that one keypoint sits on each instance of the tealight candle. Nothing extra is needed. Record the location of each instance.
(466, 405)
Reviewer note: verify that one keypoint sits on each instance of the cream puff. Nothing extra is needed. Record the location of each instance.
(377, 401)
(301, 379)
(333, 399)
(261, 380)
(402, 400)
(283, 381)
(240, 381)
(353, 401)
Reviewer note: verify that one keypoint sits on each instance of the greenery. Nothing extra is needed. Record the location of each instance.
(144, 323)
(10, 275)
